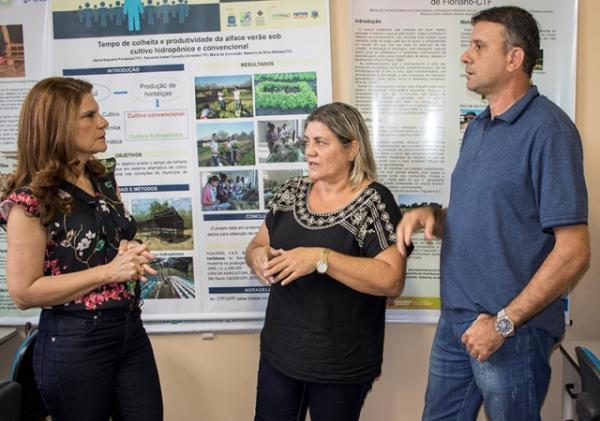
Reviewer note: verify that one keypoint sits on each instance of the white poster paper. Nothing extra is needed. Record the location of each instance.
(409, 84)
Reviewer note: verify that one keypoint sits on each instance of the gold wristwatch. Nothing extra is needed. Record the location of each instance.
(322, 265)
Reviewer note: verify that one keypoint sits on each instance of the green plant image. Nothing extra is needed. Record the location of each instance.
(285, 93)
(286, 155)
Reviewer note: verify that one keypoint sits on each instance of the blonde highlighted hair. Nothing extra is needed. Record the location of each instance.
(348, 124)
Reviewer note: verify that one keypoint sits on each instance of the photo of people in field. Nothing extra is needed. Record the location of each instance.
(224, 97)
(280, 141)
(225, 144)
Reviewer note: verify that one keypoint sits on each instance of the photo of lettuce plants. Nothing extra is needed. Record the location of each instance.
(285, 93)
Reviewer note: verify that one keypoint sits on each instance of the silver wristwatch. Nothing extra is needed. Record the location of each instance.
(504, 326)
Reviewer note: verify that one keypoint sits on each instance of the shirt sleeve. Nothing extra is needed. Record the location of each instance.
(378, 232)
(22, 197)
(283, 199)
(558, 181)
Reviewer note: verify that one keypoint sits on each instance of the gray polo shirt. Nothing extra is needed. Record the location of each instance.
(518, 176)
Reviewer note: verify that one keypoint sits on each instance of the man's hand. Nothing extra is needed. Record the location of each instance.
(481, 339)
(413, 221)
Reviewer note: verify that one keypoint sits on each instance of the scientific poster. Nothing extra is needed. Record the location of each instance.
(205, 101)
(25, 36)
(409, 83)
(207, 98)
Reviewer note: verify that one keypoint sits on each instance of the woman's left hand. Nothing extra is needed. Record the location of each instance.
(286, 266)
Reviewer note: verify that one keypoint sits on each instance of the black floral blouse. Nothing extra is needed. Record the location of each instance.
(85, 238)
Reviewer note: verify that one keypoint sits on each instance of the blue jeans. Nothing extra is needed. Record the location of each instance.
(512, 383)
(94, 368)
(282, 398)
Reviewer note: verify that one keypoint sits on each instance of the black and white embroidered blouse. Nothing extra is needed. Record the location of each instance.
(316, 328)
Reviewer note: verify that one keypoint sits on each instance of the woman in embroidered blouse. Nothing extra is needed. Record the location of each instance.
(70, 252)
(327, 250)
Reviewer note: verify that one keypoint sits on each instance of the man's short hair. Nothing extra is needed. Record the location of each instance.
(520, 30)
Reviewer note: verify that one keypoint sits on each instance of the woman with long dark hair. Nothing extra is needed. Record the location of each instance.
(71, 252)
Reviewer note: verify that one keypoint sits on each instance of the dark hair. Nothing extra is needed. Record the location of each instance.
(45, 143)
(520, 30)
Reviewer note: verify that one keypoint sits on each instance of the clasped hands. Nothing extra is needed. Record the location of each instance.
(284, 266)
(131, 263)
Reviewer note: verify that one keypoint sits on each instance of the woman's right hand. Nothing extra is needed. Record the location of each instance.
(258, 260)
(125, 245)
(130, 263)
(258, 253)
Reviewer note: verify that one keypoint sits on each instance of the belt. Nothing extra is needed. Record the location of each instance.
(108, 314)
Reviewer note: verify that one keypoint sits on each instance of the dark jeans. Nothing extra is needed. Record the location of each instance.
(282, 398)
(511, 384)
(92, 365)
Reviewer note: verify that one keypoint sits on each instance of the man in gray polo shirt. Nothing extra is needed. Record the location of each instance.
(514, 235)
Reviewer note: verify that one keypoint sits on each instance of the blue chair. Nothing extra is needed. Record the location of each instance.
(587, 405)
(32, 406)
